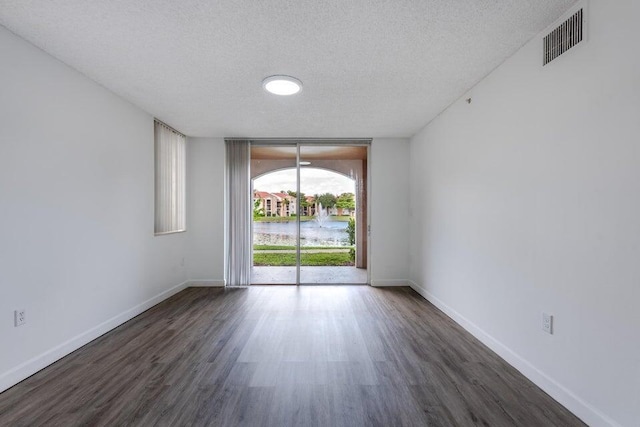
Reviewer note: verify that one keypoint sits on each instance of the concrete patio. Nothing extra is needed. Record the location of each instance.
(308, 275)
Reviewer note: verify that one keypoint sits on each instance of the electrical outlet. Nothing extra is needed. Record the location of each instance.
(547, 323)
(19, 317)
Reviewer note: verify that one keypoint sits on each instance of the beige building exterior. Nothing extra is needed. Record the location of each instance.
(283, 204)
(275, 204)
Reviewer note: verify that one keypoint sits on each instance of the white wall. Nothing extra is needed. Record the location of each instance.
(389, 258)
(205, 196)
(77, 249)
(528, 200)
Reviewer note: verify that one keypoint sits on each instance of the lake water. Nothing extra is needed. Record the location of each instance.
(332, 233)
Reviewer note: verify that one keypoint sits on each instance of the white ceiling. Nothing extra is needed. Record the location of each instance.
(377, 68)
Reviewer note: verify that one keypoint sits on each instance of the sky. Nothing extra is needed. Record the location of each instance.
(312, 181)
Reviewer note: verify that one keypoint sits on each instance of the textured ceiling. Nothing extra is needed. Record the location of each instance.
(370, 68)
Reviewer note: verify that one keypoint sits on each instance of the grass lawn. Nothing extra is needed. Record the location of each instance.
(281, 218)
(322, 259)
(293, 248)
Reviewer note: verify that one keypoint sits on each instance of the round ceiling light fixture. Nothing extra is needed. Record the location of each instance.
(282, 85)
(305, 163)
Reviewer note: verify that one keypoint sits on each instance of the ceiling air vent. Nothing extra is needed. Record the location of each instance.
(567, 35)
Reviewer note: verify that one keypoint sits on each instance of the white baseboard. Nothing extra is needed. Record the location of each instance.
(564, 396)
(205, 284)
(30, 367)
(392, 282)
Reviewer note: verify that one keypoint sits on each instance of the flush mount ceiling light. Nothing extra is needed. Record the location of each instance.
(282, 85)
(305, 163)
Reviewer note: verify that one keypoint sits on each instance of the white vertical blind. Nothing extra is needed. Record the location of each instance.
(238, 214)
(170, 180)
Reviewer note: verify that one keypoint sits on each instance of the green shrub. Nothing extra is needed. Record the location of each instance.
(351, 231)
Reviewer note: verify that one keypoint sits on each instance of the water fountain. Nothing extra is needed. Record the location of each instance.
(321, 215)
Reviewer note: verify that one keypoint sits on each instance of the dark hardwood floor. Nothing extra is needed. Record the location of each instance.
(282, 356)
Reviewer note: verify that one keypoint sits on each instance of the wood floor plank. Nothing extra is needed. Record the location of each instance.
(284, 356)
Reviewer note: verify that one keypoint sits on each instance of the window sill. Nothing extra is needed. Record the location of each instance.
(164, 233)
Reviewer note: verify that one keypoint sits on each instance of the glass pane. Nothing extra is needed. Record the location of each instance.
(332, 249)
(274, 175)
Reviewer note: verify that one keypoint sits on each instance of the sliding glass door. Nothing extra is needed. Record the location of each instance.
(274, 178)
(329, 177)
(309, 213)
